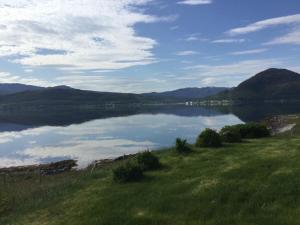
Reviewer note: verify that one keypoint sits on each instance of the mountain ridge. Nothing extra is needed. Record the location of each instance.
(13, 88)
(269, 85)
(189, 93)
(14, 93)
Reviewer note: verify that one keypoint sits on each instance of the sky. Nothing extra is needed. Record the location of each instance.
(146, 45)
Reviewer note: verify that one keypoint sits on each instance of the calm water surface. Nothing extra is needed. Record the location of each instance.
(101, 138)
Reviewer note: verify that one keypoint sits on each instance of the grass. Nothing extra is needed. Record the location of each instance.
(256, 182)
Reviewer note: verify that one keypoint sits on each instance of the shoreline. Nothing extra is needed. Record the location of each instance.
(277, 125)
(62, 166)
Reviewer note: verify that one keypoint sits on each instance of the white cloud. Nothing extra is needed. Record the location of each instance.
(127, 84)
(186, 53)
(194, 37)
(249, 52)
(28, 70)
(238, 68)
(195, 2)
(186, 61)
(263, 24)
(90, 34)
(232, 74)
(6, 77)
(174, 28)
(290, 38)
(230, 40)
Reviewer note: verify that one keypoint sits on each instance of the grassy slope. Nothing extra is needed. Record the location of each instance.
(256, 182)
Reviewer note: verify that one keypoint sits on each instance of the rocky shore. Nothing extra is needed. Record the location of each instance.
(60, 167)
(43, 169)
(281, 124)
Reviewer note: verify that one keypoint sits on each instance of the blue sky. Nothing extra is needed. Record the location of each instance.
(146, 45)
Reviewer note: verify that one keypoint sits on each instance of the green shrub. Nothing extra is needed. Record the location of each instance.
(209, 138)
(182, 146)
(252, 130)
(148, 161)
(128, 172)
(230, 134)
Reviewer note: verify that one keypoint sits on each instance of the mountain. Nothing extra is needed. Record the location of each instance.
(65, 96)
(269, 85)
(189, 93)
(7, 89)
(61, 87)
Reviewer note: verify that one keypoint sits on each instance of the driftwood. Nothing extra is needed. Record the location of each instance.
(61, 166)
(43, 169)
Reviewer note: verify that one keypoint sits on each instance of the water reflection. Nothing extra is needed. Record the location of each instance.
(103, 138)
(31, 138)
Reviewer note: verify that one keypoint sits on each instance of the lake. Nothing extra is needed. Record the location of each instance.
(24, 141)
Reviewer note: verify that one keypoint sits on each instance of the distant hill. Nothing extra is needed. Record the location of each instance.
(272, 84)
(66, 96)
(189, 93)
(7, 89)
(269, 85)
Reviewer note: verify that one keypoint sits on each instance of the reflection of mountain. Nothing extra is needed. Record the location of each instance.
(58, 118)
(246, 113)
(19, 120)
(259, 112)
(186, 111)
(65, 118)
(8, 127)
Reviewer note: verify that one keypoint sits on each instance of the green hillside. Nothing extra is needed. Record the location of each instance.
(269, 85)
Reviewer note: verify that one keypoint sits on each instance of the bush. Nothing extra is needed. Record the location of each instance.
(128, 172)
(209, 138)
(182, 146)
(230, 134)
(148, 161)
(252, 130)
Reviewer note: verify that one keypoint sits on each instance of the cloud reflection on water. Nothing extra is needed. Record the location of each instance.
(103, 138)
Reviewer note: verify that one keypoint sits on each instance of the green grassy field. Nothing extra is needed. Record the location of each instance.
(256, 182)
